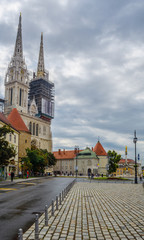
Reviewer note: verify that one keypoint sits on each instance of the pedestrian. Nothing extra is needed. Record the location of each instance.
(27, 174)
(12, 176)
(20, 174)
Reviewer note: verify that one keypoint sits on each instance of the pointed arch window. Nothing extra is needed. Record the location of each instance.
(37, 127)
(20, 97)
(11, 93)
(33, 128)
(30, 127)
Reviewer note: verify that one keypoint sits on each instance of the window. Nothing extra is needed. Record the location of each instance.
(14, 138)
(30, 127)
(36, 129)
(44, 130)
(11, 96)
(20, 97)
(10, 137)
(33, 128)
(25, 141)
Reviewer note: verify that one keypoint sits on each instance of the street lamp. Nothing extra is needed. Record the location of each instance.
(76, 151)
(135, 141)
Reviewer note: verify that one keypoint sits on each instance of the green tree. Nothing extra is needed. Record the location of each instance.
(114, 158)
(6, 150)
(49, 157)
(37, 159)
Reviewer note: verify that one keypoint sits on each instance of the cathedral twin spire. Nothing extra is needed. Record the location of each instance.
(18, 51)
(18, 45)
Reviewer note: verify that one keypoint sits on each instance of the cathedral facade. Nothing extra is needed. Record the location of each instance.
(33, 98)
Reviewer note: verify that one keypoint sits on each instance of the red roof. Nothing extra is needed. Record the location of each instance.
(99, 150)
(4, 119)
(65, 154)
(16, 120)
(122, 161)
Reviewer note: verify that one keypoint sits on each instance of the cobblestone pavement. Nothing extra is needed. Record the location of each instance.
(96, 211)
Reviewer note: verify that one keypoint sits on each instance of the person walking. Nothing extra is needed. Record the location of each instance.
(12, 176)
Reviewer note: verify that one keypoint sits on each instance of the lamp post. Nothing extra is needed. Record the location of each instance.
(135, 141)
(76, 151)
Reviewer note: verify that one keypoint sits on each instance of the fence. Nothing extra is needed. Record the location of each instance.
(54, 206)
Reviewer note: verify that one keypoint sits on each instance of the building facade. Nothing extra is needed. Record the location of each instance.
(33, 99)
(13, 140)
(94, 161)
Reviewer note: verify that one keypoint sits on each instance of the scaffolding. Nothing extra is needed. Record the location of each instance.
(42, 90)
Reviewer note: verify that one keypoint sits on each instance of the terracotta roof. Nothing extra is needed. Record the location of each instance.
(65, 154)
(16, 120)
(128, 161)
(99, 150)
(4, 119)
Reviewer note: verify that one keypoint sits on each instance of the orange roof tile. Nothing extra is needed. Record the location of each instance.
(65, 154)
(16, 120)
(4, 119)
(128, 161)
(99, 150)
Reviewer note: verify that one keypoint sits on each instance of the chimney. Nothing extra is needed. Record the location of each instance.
(92, 148)
(59, 151)
(64, 151)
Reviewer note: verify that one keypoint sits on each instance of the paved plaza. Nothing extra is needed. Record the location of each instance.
(96, 211)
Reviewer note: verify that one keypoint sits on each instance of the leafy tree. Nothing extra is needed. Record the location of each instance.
(37, 159)
(34, 160)
(114, 158)
(49, 157)
(6, 150)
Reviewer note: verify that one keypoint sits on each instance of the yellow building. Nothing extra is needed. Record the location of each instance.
(13, 139)
(24, 134)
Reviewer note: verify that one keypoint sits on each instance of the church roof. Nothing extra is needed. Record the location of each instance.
(99, 150)
(16, 121)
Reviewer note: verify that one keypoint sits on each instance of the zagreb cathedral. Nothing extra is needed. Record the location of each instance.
(33, 98)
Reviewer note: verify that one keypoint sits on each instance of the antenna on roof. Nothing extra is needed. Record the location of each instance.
(98, 138)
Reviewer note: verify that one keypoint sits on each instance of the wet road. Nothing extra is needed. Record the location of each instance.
(20, 202)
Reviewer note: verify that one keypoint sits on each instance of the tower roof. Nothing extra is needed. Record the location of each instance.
(99, 150)
(16, 121)
(40, 67)
(18, 45)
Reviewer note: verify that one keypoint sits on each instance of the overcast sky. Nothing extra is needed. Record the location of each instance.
(94, 52)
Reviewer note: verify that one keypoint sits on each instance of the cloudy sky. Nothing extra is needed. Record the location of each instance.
(94, 51)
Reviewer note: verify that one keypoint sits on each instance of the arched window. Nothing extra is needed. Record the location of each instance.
(20, 97)
(37, 129)
(33, 128)
(30, 127)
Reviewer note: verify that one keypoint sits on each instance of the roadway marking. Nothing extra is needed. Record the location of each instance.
(8, 189)
(27, 183)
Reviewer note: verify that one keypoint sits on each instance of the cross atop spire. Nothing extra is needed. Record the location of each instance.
(40, 68)
(18, 52)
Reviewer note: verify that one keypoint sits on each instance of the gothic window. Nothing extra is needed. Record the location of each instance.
(36, 129)
(14, 138)
(33, 128)
(30, 127)
(20, 97)
(11, 96)
(44, 130)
